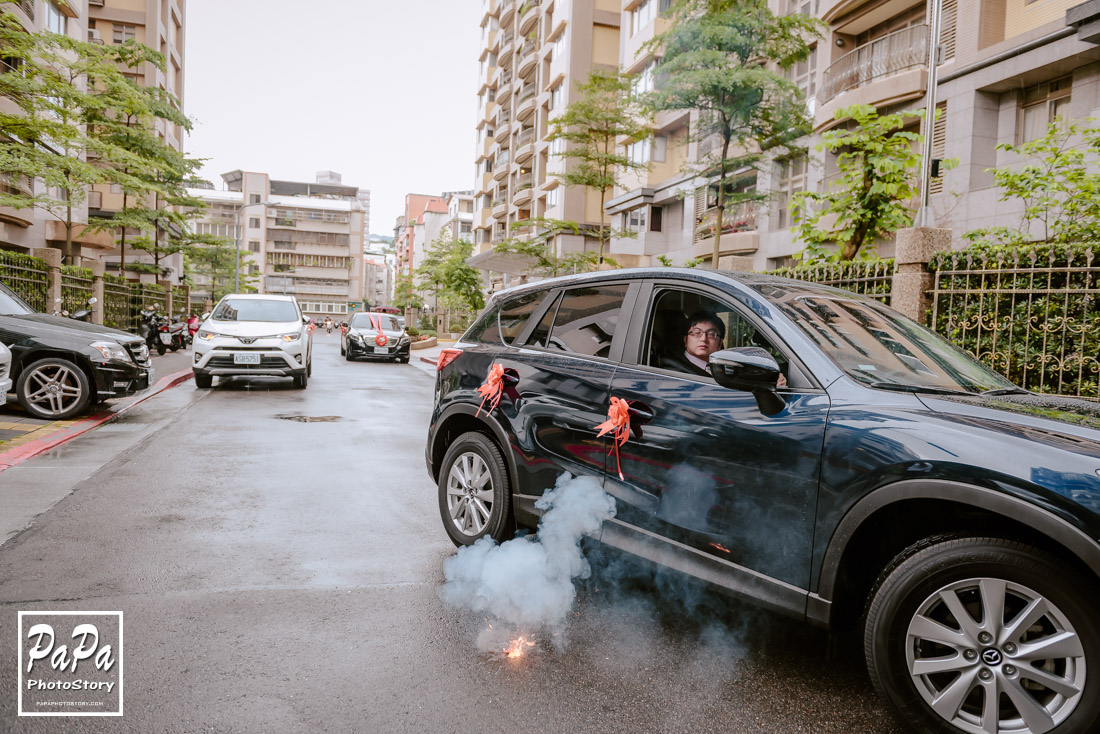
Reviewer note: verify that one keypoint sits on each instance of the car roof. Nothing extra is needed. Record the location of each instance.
(258, 296)
(761, 285)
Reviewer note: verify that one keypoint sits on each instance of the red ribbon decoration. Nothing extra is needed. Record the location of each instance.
(618, 425)
(492, 388)
(376, 322)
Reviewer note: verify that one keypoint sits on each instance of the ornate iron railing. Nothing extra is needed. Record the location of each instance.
(894, 52)
(1030, 313)
(76, 288)
(873, 278)
(28, 276)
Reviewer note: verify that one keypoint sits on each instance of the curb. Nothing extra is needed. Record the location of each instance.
(425, 344)
(430, 360)
(30, 449)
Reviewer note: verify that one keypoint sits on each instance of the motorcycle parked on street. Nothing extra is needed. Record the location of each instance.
(193, 323)
(149, 327)
(170, 335)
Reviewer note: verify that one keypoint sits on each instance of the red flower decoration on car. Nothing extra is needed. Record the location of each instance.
(618, 425)
(492, 388)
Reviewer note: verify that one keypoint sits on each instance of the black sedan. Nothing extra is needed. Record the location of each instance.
(375, 336)
(60, 366)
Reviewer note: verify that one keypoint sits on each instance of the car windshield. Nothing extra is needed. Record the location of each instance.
(255, 309)
(11, 304)
(363, 321)
(881, 348)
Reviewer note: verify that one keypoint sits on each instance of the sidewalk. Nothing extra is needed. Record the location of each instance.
(425, 359)
(17, 428)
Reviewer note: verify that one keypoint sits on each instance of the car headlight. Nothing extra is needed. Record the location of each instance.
(291, 337)
(207, 335)
(111, 350)
(355, 335)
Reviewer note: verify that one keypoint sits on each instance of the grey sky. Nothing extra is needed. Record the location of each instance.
(382, 92)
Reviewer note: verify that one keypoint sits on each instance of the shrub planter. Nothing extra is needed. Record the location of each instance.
(424, 343)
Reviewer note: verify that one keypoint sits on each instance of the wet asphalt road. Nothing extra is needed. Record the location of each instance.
(282, 576)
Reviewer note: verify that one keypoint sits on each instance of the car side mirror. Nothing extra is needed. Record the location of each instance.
(305, 319)
(205, 316)
(751, 369)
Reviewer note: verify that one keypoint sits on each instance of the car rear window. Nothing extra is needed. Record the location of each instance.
(255, 309)
(585, 320)
(514, 315)
(486, 330)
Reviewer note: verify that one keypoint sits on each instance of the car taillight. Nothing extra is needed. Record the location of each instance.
(164, 328)
(446, 357)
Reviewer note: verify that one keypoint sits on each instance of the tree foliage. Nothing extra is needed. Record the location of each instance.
(215, 258)
(444, 273)
(719, 58)
(404, 292)
(1058, 188)
(604, 112)
(543, 251)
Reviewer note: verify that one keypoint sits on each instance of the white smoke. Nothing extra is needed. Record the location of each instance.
(527, 583)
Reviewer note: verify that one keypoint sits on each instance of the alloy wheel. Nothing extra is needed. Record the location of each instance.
(994, 657)
(54, 389)
(469, 493)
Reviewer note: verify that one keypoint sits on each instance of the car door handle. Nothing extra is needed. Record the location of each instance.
(639, 410)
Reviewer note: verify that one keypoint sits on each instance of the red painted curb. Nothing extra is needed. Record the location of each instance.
(429, 360)
(18, 455)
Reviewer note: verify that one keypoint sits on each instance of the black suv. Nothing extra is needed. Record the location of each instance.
(59, 366)
(835, 462)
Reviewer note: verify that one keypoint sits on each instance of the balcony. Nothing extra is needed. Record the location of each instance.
(504, 85)
(507, 12)
(503, 127)
(525, 102)
(504, 55)
(500, 207)
(892, 69)
(739, 233)
(17, 185)
(528, 55)
(525, 145)
(500, 166)
(522, 189)
(528, 14)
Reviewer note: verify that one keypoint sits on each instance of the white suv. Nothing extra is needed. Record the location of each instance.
(249, 334)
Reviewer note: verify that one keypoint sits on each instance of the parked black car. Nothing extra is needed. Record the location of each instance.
(61, 366)
(372, 335)
(893, 485)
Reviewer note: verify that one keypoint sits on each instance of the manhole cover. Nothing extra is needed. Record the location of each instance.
(310, 418)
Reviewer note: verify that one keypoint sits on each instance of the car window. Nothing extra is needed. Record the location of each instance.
(11, 304)
(585, 320)
(255, 309)
(363, 321)
(541, 332)
(486, 329)
(514, 315)
(677, 312)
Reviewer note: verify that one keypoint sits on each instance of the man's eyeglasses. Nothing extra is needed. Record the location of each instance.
(709, 333)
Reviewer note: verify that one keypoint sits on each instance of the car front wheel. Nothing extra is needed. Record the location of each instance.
(203, 380)
(53, 389)
(474, 491)
(985, 635)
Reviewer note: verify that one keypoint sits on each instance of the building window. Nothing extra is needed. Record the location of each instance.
(254, 245)
(1041, 105)
(792, 180)
(557, 146)
(555, 97)
(642, 16)
(124, 33)
(634, 220)
(660, 148)
(559, 46)
(638, 151)
(253, 198)
(465, 228)
(804, 76)
(254, 222)
(55, 19)
(553, 197)
(656, 217)
(643, 82)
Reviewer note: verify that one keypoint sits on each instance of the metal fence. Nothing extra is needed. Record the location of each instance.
(116, 303)
(76, 288)
(144, 296)
(1030, 313)
(873, 278)
(28, 276)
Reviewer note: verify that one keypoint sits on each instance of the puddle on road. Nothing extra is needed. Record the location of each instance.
(311, 418)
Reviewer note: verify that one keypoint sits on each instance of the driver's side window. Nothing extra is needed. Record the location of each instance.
(686, 327)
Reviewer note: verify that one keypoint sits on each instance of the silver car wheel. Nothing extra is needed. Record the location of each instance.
(53, 389)
(469, 493)
(995, 657)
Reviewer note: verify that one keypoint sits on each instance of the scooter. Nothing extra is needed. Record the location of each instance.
(170, 335)
(193, 323)
(149, 327)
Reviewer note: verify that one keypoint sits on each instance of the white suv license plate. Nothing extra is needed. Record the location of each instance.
(381, 350)
(246, 359)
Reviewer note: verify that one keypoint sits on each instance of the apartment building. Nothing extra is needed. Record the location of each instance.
(1008, 67)
(410, 233)
(301, 238)
(533, 53)
(25, 229)
(460, 215)
(160, 25)
(377, 280)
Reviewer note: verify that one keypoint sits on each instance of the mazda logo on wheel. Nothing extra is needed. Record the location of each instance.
(991, 657)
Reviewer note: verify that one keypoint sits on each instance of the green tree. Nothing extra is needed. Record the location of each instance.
(873, 196)
(719, 59)
(1058, 187)
(215, 258)
(604, 112)
(444, 273)
(541, 249)
(404, 292)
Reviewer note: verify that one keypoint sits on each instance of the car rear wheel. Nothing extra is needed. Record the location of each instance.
(985, 635)
(475, 495)
(53, 389)
(203, 380)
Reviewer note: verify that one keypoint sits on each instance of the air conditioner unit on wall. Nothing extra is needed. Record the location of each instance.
(93, 36)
